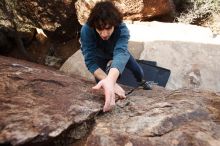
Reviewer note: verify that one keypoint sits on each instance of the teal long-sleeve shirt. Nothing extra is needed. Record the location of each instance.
(96, 50)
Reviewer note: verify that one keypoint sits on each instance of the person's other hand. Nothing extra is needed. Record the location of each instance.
(109, 92)
(119, 91)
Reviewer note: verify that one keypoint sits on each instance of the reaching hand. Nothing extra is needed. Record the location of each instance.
(109, 92)
(119, 91)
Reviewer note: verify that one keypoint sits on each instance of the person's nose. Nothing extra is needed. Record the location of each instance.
(104, 33)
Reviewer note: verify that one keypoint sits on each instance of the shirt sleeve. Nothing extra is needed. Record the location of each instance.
(121, 54)
(88, 46)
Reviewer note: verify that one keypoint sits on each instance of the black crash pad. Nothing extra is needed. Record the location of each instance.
(152, 73)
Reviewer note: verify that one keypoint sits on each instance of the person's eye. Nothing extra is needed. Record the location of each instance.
(99, 30)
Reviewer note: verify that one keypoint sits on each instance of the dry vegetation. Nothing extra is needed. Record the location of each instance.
(201, 12)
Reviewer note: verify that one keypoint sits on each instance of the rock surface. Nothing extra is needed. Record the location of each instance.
(131, 9)
(48, 15)
(76, 65)
(38, 104)
(18, 35)
(190, 52)
(161, 118)
(192, 65)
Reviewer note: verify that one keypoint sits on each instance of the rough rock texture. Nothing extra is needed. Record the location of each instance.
(48, 15)
(132, 9)
(161, 118)
(37, 104)
(18, 37)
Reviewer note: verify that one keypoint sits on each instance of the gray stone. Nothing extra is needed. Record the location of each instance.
(76, 65)
(192, 65)
(191, 52)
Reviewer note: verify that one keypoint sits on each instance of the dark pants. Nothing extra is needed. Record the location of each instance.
(132, 65)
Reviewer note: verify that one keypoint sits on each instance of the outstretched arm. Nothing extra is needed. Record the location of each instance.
(109, 81)
(109, 85)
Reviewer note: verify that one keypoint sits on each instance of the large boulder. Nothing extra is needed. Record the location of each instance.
(190, 52)
(131, 9)
(40, 106)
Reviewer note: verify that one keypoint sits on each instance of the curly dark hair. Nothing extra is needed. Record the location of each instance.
(104, 13)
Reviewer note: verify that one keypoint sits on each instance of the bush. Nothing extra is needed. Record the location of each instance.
(197, 11)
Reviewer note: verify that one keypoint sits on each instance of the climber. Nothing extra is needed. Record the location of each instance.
(104, 44)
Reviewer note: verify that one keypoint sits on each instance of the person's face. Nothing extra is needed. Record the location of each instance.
(106, 33)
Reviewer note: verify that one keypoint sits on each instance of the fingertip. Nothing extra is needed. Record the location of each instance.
(94, 87)
(105, 109)
(97, 86)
